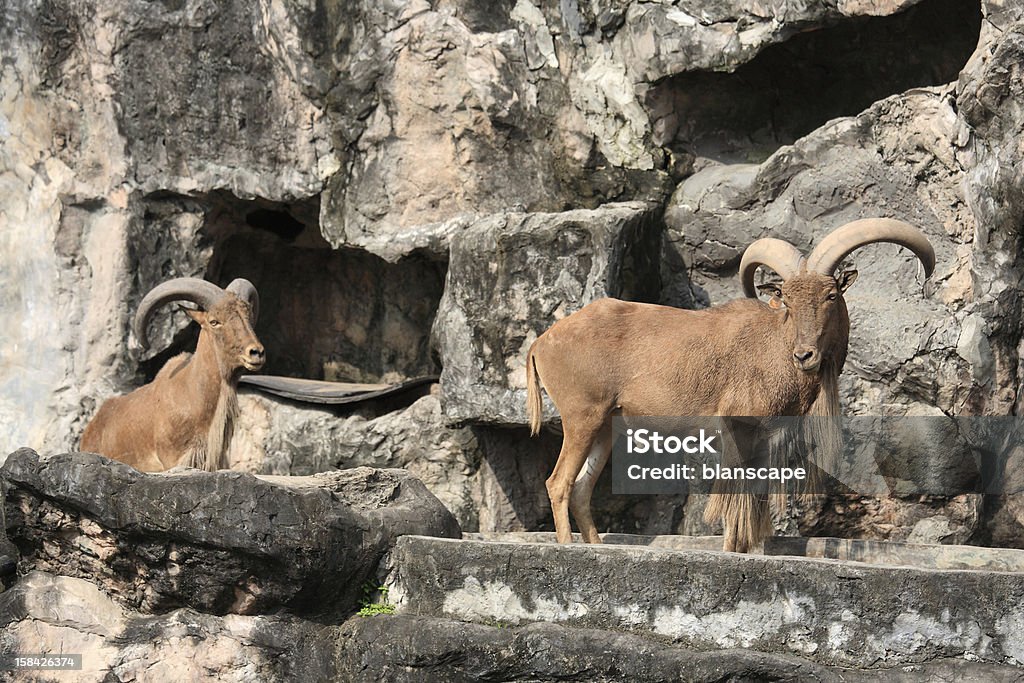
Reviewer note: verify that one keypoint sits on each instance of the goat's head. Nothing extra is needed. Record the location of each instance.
(226, 315)
(810, 293)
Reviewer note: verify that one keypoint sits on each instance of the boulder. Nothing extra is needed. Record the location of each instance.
(276, 436)
(47, 613)
(225, 542)
(512, 276)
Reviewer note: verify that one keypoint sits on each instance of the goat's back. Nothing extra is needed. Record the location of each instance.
(647, 359)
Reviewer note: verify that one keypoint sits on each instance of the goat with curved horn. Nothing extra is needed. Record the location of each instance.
(842, 241)
(744, 358)
(186, 414)
(779, 255)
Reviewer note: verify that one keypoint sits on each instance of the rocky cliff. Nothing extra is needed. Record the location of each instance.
(424, 187)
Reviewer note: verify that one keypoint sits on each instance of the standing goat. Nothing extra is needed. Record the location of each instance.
(743, 358)
(185, 415)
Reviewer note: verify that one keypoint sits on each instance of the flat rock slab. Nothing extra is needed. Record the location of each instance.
(329, 393)
(223, 542)
(831, 612)
(920, 555)
(405, 648)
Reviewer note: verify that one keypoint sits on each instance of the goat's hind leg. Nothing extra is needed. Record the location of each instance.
(579, 438)
(583, 487)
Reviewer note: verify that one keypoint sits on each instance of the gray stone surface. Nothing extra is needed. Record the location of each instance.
(510, 277)
(940, 158)
(491, 479)
(128, 130)
(63, 614)
(833, 613)
(224, 542)
(920, 555)
(990, 104)
(279, 437)
(344, 151)
(47, 613)
(398, 129)
(427, 649)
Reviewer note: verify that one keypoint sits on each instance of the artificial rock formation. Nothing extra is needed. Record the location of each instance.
(422, 188)
(223, 543)
(366, 165)
(512, 276)
(51, 613)
(386, 128)
(490, 478)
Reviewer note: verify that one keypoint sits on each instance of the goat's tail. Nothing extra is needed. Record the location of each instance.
(534, 400)
(746, 518)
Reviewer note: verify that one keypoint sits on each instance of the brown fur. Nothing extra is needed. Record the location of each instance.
(185, 415)
(616, 357)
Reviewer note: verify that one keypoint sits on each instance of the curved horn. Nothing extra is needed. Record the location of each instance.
(779, 255)
(838, 244)
(200, 292)
(246, 291)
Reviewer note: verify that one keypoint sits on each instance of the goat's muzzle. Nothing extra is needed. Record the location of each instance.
(806, 358)
(254, 357)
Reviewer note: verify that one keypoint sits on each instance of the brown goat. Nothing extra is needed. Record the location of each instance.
(185, 415)
(743, 358)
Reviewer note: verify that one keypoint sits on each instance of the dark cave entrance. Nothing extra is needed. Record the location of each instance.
(335, 314)
(794, 87)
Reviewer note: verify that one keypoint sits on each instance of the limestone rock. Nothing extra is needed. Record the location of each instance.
(274, 436)
(223, 542)
(51, 613)
(419, 647)
(833, 613)
(512, 276)
(344, 149)
(947, 345)
(123, 127)
(47, 613)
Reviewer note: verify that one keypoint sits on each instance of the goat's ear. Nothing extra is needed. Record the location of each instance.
(771, 288)
(845, 279)
(198, 315)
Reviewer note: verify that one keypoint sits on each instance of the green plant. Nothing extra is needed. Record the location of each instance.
(368, 607)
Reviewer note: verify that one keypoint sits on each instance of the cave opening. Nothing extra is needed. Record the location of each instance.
(796, 86)
(327, 314)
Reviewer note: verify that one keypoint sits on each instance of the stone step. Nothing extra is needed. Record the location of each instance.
(832, 612)
(890, 553)
(411, 649)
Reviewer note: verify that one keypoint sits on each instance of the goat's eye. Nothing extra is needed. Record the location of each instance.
(214, 323)
(831, 297)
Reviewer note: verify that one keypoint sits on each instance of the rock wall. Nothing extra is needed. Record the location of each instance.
(354, 575)
(423, 187)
